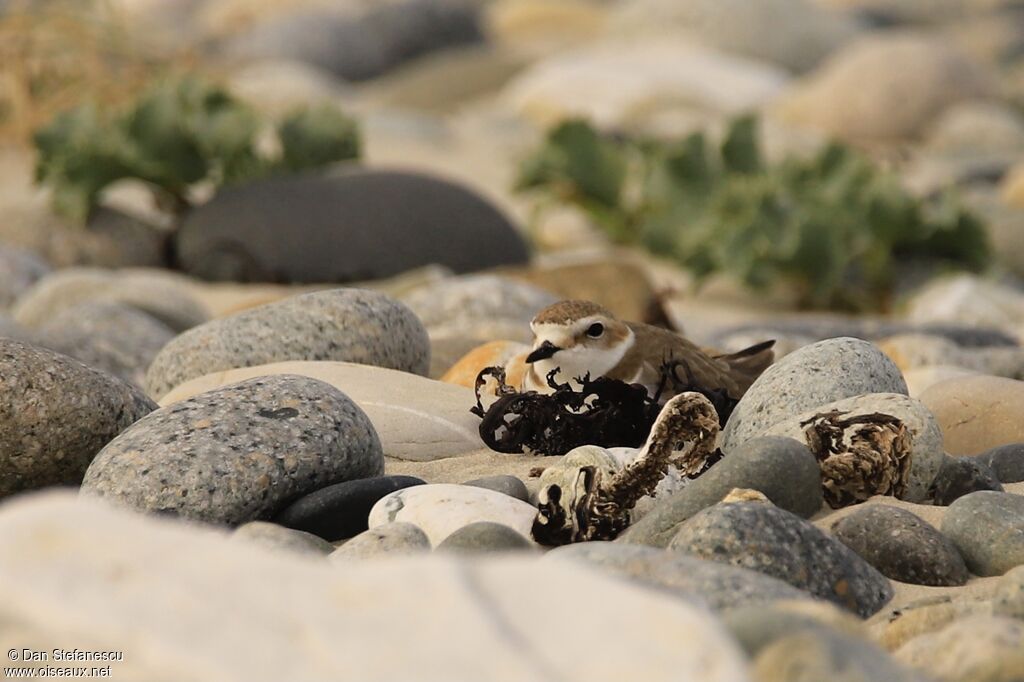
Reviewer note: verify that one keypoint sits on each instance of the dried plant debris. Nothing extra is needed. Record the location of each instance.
(589, 495)
(860, 456)
(602, 411)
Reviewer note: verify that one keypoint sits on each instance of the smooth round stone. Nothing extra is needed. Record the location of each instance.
(440, 509)
(331, 229)
(977, 413)
(275, 537)
(781, 468)
(716, 585)
(389, 539)
(988, 529)
(758, 625)
(812, 376)
(1006, 461)
(960, 476)
(1008, 597)
(19, 269)
(762, 537)
(819, 655)
(55, 415)
(507, 485)
(927, 453)
(238, 453)
(340, 511)
(484, 537)
(117, 338)
(160, 293)
(351, 325)
(902, 546)
(989, 648)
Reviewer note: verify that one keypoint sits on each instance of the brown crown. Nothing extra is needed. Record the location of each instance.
(569, 311)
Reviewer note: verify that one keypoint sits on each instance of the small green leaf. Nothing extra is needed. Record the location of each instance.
(316, 137)
(741, 152)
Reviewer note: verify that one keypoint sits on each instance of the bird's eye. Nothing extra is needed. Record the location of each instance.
(595, 330)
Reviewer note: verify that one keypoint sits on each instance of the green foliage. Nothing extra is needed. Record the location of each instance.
(834, 226)
(176, 135)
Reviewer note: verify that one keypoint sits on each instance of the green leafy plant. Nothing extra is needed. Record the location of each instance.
(175, 136)
(835, 227)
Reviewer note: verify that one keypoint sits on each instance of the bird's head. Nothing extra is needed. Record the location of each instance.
(577, 337)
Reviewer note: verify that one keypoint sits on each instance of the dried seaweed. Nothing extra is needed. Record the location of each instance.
(860, 456)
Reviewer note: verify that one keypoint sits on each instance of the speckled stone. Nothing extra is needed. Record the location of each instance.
(509, 485)
(275, 537)
(814, 375)
(960, 476)
(117, 338)
(1006, 461)
(351, 325)
(717, 585)
(238, 453)
(341, 511)
(19, 269)
(389, 539)
(976, 649)
(762, 537)
(988, 529)
(781, 468)
(55, 415)
(902, 546)
(484, 537)
(926, 448)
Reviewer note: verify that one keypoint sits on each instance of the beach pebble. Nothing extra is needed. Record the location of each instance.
(509, 485)
(275, 537)
(960, 476)
(988, 529)
(389, 539)
(484, 537)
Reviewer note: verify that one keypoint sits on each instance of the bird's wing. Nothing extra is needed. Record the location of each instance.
(695, 367)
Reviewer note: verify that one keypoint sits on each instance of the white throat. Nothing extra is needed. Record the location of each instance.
(574, 361)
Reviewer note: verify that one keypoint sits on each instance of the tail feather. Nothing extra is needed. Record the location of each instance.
(748, 364)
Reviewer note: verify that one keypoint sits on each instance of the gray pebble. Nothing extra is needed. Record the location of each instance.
(781, 468)
(1006, 461)
(55, 415)
(902, 546)
(509, 485)
(273, 536)
(19, 269)
(238, 453)
(484, 537)
(1008, 597)
(389, 539)
(762, 537)
(988, 529)
(820, 655)
(959, 476)
(351, 325)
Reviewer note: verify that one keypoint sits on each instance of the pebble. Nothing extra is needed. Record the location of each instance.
(353, 325)
(975, 649)
(19, 269)
(781, 468)
(902, 546)
(816, 656)
(341, 511)
(484, 537)
(960, 476)
(55, 415)
(758, 625)
(508, 485)
(1006, 461)
(390, 539)
(808, 378)
(716, 585)
(927, 453)
(275, 537)
(988, 529)
(762, 537)
(894, 626)
(1008, 597)
(440, 509)
(238, 453)
(977, 413)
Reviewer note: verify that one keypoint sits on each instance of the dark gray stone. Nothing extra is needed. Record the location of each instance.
(275, 537)
(340, 511)
(363, 224)
(719, 586)
(509, 485)
(238, 453)
(988, 529)
(781, 468)
(484, 537)
(19, 269)
(812, 376)
(1006, 461)
(761, 537)
(352, 325)
(115, 337)
(364, 45)
(959, 476)
(55, 415)
(902, 546)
